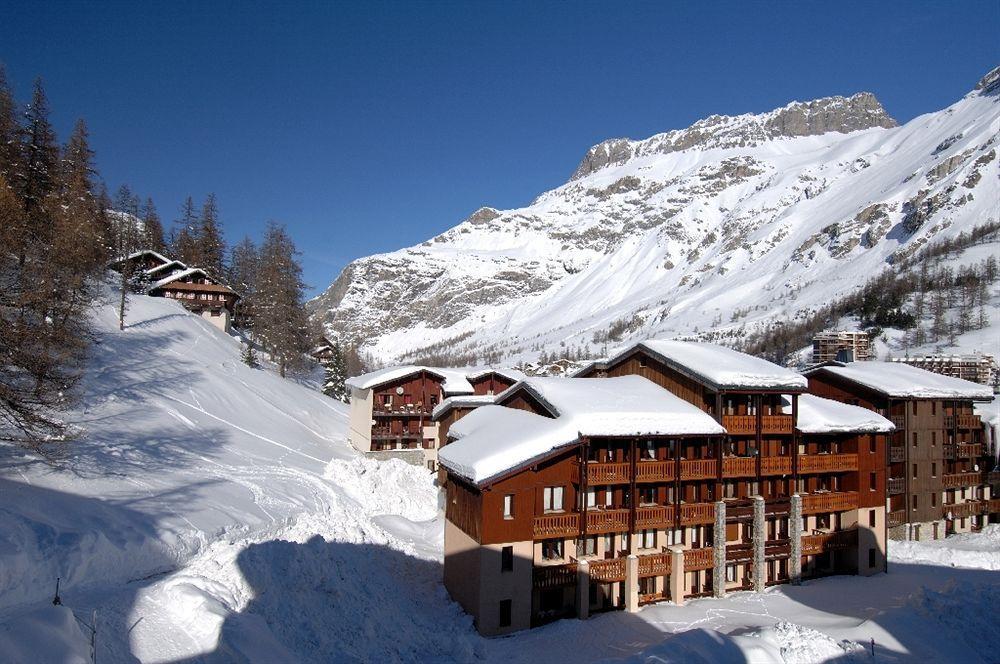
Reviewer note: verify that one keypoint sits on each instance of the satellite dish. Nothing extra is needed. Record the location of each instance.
(399, 390)
(976, 467)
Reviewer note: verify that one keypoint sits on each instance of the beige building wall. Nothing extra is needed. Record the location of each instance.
(359, 426)
(461, 568)
(221, 321)
(871, 538)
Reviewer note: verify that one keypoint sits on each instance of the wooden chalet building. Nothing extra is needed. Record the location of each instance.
(941, 475)
(391, 409)
(200, 293)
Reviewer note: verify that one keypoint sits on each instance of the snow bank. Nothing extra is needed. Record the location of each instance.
(804, 645)
(49, 634)
(386, 487)
(973, 550)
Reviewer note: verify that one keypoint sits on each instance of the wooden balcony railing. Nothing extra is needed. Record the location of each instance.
(654, 564)
(608, 473)
(897, 453)
(695, 559)
(777, 424)
(607, 521)
(896, 485)
(963, 421)
(776, 465)
(695, 513)
(654, 471)
(554, 576)
(747, 424)
(698, 469)
(774, 549)
(827, 463)
(957, 480)
(816, 544)
(838, 501)
(739, 553)
(660, 516)
(739, 467)
(967, 450)
(896, 518)
(898, 420)
(963, 510)
(608, 571)
(556, 525)
(949, 451)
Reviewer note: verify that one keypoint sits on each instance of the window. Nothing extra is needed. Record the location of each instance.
(933, 500)
(871, 519)
(609, 543)
(647, 539)
(586, 546)
(933, 470)
(508, 506)
(591, 497)
(872, 481)
(933, 438)
(914, 407)
(386, 399)
(872, 444)
(505, 610)
(730, 573)
(914, 438)
(914, 501)
(608, 497)
(642, 361)
(434, 400)
(934, 408)
(647, 585)
(914, 471)
(647, 495)
(552, 499)
(648, 450)
(871, 558)
(507, 559)
(216, 313)
(552, 549)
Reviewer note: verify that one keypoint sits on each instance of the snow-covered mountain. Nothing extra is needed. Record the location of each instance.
(725, 225)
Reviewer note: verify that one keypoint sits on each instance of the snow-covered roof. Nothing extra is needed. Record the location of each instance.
(173, 263)
(147, 252)
(178, 275)
(462, 401)
(493, 439)
(819, 415)
(902, 381)
(454, 381)
(720, 367)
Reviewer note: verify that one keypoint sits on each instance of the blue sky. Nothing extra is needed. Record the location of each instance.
(372, 126)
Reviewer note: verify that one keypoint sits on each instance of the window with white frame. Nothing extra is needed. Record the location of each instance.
(647, 539)
(591, 497)
(586, 546)
(730, 573)
(508, 506)
(552, 499)
(552, 549)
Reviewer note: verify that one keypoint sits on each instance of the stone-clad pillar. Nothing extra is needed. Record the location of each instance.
(583, 590)
(677, 575)
(632, 583)
(719, 551)
(795, 533)
(758, 538)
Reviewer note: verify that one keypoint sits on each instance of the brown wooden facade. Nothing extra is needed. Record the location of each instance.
(402, 408)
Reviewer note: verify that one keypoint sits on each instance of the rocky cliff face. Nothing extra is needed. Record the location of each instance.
(727, 224)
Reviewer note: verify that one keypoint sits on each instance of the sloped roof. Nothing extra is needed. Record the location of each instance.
(819, 415)
(903, 381)
(462, 401)
(454, 381)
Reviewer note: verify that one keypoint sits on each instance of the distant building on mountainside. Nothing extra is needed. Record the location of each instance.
(392, 409)
(197, 290)
(978, 368)
(829, 346)
(323, 350)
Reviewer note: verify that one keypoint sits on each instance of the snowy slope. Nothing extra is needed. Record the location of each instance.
(723, 226)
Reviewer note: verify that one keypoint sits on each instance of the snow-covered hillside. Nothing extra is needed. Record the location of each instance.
(725, 225)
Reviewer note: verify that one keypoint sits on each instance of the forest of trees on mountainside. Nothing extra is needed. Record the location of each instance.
(59, 229)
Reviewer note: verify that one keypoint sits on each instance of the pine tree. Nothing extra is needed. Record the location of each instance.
(280, 320)
(40, 154)
(152, 229)
(212, 248)
(183, 240)
(10, 142)
(127, 241)
(335, 374)
(244, 264)
(249, 356)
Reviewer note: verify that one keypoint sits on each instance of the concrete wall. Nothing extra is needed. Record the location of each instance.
(359, 425)
(221, 321)
(871, 538)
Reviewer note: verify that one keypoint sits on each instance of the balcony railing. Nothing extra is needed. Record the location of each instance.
(949, 451)
(695, 559)
(963, 510)
(739, 467)
(957, 480)
(774, 549)
(660, 516)
(747, 424)
(898, 420)
(739, 553)
(897, 453)
(556, 525)
(776, 465)
(608, 473)
(698, 469)
(608, 571)
(696, 513)
(896, 518)
(554, 576)
(607, 521)
(654, 564)
(896, 485)
(654, 471)
(839, 501)
(827, 463)
(963, 421)
(816, 544)
(966, 450)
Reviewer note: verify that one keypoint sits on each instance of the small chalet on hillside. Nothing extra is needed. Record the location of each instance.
(199, 292)
(392, 408)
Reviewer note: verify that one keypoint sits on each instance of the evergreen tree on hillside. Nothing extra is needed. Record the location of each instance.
(79, 241)
(40, 154)
(280, 321)
(211, 246)
(249, 356)
(128, 240)
(244, 264)
(335, 374)
(152, 229)
(10, 141)
(183, 240)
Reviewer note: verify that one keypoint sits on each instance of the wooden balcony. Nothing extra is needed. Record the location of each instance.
(608, 473)
(697, 513)
(949, 451)
(897, 453)
(554, 576)
(899, 421)
(607, 571)
(654, 564)
(896, 518)
(659, 516)
(967, 450)
(695, 559)
(556, 525)
(739, 553)
(971, 508)
(776, 465)
(958, 480)
(775, 549)
(402, 412)
(607, 521)
(655, 471)
(698, 469)
(739, 467)
(827, 463)
(838, 541)
(962, 421)
(895, 485)
(837, 501)
(746, 425)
